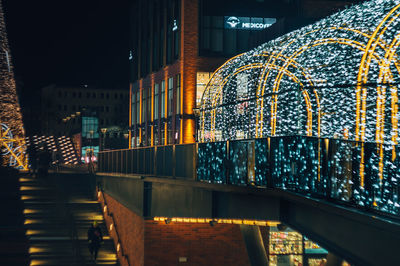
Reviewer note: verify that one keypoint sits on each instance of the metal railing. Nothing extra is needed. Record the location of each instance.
(165, 161)
(363, 175)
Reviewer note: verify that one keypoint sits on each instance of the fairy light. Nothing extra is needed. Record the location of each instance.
(336, 80)
(12, 134)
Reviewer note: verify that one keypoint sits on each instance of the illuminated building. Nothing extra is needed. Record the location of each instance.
(63, 108)
(11, 125)
(177, 44)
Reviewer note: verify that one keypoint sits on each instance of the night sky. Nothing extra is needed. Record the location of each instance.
(70, 42)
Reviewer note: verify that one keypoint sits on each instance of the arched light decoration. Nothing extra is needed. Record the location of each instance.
(336, 78)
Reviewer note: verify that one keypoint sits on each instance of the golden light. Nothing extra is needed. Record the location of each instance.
(215, 221)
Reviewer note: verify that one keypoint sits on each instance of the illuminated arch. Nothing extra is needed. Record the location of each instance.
(363, 54)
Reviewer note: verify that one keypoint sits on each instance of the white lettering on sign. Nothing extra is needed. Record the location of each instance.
(244, 23)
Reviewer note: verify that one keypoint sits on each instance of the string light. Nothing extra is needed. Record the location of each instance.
(337, 79)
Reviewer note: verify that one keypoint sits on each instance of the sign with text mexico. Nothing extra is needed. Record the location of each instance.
(247, 23)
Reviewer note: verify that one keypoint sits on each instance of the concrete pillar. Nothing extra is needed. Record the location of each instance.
(254, 245)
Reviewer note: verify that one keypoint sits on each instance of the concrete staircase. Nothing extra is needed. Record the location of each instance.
(13, 241)
(57, 219)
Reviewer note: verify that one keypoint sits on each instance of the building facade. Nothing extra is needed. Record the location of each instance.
(64, 107)
(176, 45)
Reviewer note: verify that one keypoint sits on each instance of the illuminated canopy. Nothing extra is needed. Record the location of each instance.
(336, 78)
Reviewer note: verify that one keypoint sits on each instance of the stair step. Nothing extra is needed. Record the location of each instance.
(48, 215)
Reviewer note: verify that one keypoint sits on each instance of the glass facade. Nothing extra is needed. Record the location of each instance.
(170, 95)
(178, 94)
(156, 100)
(288, 247)
(229, 36)
(163, 96)
(90, 136)
(201, 83)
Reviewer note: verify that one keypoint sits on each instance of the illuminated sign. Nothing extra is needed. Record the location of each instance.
(247, 23)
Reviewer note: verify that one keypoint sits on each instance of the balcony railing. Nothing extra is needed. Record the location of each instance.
(364, 175)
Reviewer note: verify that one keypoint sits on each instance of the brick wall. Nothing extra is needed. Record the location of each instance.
(201, 244)
(130, 229)
(189, 52)
(148, 242)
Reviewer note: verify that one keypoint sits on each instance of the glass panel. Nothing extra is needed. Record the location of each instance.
(178, 94)
(162, 98)
(138, 107)
(170, 95)
(144, 105)
(156, 100)
(202, 80)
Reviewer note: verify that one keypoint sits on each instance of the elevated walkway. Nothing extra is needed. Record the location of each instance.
(346, 231)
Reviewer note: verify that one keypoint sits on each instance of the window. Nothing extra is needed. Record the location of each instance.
(90, 127)
(88, 95)
(116, 96)
(107, 109)
(202, 80)
(59, 107)
(144, 105)
(65, 108)
(94, 95)
(170, 95)
(178, 94)
(102, 95)
(107, 96)
(74, 95)
(162, 98)
(133, 108)
(156, 102)
(148, 109)
(59, 94)
(79, 94)
(65, 94)
(173, 29)
(212, 33)
(138, 107)
(121, 96)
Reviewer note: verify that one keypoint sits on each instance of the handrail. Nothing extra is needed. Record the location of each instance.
(363, 174)
(100, 189)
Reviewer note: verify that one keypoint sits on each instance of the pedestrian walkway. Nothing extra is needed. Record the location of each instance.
(56, 223)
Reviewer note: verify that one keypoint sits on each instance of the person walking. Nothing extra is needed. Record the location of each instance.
(95, 237)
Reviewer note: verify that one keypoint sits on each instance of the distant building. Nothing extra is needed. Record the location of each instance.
(66, 110)
(176, 45)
